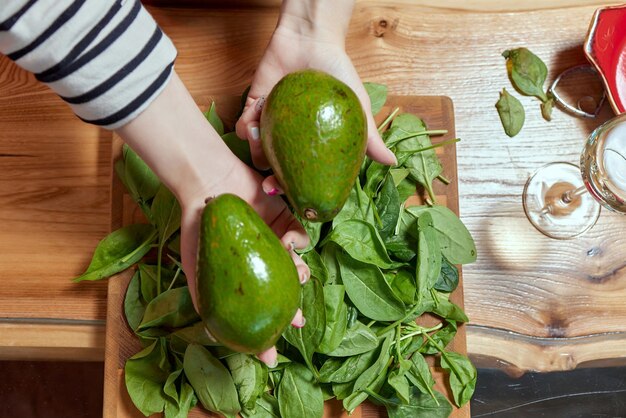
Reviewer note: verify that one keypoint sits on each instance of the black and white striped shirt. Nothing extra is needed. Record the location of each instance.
(107, 58)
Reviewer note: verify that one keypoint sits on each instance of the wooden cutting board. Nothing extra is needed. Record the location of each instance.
(436, 111)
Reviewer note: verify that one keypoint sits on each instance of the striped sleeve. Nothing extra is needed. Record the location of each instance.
(108, 59)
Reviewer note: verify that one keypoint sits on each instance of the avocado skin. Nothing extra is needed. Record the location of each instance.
(247, 284)
(314, 135)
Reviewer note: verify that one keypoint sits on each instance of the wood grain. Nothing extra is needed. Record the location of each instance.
(523, 282)
(62, 341)
(121, 343)
(524, 291)
(54, 182)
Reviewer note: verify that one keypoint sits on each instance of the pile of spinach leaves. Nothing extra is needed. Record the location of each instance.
(376, 267)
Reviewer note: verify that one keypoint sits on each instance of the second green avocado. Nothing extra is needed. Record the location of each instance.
(314, 134)
(247, 284)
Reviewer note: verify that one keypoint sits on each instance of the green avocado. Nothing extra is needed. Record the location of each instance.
(247, 284)
(314, 134)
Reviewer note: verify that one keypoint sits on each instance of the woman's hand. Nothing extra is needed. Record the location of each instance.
(310, 34)
(174, 138)
(246, 183)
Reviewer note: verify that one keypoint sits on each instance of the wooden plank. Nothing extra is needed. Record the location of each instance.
(473, 5)
(60, 341)
(54, 181)
(523, 282)
(53, 205)
(121, 343)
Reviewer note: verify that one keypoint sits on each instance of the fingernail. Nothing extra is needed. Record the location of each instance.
(272, 192)
(304, 277)
(273, 364)
(254, 133)
(301, 324)
(259, 103)
(392, 155)
(292, 246)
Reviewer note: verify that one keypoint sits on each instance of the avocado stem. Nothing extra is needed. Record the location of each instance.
(310, 214)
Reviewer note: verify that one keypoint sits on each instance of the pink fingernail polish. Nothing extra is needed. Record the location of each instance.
(273, 192)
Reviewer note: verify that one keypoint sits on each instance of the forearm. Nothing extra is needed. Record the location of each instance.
(323, 20)
(174, 138)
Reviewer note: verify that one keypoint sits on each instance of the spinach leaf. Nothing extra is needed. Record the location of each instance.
(448, 279)
(336, 318)
(441, 338)
(298, 393)
(428, 255)
(511, 113)
(462, 376)
(342, 390)
(401, 247)
(420, 375)
(527, 72)
(369, 291)
(118, 251)
(309, 337)
(139, 179)
(266, 407)
(185, 400)
(448, 310)
(377, 94)
(406, 189)
(370, 378)
(313, 230)
(166, 214)
(192, 334)
(402, 283)
(420, 405)
(424, 166)
(316, 266)
(329, 258)
(133, 305)
(171, 309)
(358, 206)
(214, 119)
(388, 205)
(211, 381)
(375, 174)
(398, 381)
(250, 378)
(145, 373)
(358, 339)
(361, 240)
(239, 147)
(399, 174)
(456, 242)
(342, 370)
(148, 277)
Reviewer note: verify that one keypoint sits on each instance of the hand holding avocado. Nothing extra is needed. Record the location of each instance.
(306, 41)
(277, 218)
(197, 165)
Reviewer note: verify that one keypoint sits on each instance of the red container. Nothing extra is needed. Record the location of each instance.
(605, 48)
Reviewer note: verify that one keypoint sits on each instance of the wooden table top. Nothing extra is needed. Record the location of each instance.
(534, 303)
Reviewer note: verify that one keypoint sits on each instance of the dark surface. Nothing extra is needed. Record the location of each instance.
(51, 389)
(70, 389)
(592, 392)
